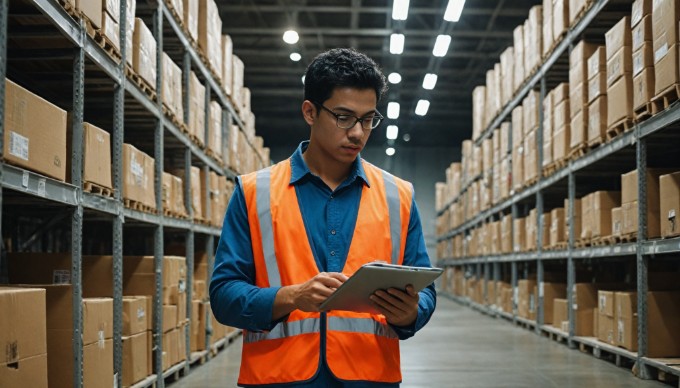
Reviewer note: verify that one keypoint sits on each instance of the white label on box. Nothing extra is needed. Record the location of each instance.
(18, 145)
(61, 276)
(660, 53)
(24, 179)
(671, 214)
(603, 303)
(638, 63)
(620, 339)
(636, 15)
(100, 138)
(182, 285)
(115, 380)
(137, 171)
(141, 313)
(41, 187)
(574, 306)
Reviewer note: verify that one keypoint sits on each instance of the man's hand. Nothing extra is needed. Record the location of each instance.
(307, 296)
(399, 308)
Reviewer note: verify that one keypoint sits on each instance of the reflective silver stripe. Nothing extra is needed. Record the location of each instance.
(285, 329)
(264, 214)
(361, 325)
(392, 195)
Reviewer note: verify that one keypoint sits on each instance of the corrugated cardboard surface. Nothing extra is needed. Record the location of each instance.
(197, 108)
(97, 361)
(665, 15)
(617, 221)
(597, 62)
(172, 87)
(97, 320)
(620, 100)
(237, 84)
(551, 293)
(620, 64)
(111, 30)
(644, 33)
(215, 139)
(144, 53)
(97, 158)
(210, 33)
(27, 372)
(597, 86)
(618, 37)
(665, 68)
(560, 312)
(191, 18)
(663, 320)
(626, 320)
(643, 87)
(597, 118)
(135, 315)
(641, 8)
(22, 323)
(227, 64)
(560, 17)
(92, 9)
(669, 188)
(166, 191)
(35, 132)
(138, 176)
(135, 365)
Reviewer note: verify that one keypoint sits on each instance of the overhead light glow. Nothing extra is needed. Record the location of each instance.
(392, 132)
(291, 37)
(429, 81)
(303, 79)
(453, 10)
(394, 78)
(406, 137)
(392, 110)
(390, 151)
(400, 9)
(397, 43)
(422, 107)
(295, 57)
(441, 45)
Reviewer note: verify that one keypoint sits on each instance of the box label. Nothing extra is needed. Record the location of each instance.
(61, 276)
(41, 187)
(638, 63)
(660, 53)
(137, 171)
(620, 332)
(18, 145)
(141, 313)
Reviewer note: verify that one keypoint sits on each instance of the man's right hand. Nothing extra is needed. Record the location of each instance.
(307, 296)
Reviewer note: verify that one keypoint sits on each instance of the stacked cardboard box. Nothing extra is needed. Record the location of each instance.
(550, 292)
(227, 64)
(562, 124)
(597, 96)
(548, 125)
(96, 155)
(665, 18)
(172, 87)
(507, 75)
(619, 73)
(606, 323)
(238, 71)
(548, 37)
(27, 143)
(669, 191)
(506, 234)
(517, 148)
(596, 213)
(518, 39)
(557, 232)
(215, 130)
(643, 53)
(530, 123)
(585, 304)
(23, 337)
(478, 111)
(190, 8)
(578, 97)
(137, 326)
(626, 321)
(576, 8)
(144, 53)
(519, 235)
(131, 7)
(210, 34)
(526, 302)
(617, 221)
(629, 202)
(138, 176)
(197, 113)
(560, 18)
(560, 317)
(576, 220)
(533, 38)
(173, 195)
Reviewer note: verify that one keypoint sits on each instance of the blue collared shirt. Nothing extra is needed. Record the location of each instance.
(329, 217)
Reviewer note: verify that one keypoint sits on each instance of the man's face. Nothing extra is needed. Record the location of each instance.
(343, 145)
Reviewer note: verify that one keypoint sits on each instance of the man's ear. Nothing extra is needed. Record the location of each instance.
(309, 111)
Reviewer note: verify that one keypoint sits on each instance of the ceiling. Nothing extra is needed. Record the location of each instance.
(483, 32)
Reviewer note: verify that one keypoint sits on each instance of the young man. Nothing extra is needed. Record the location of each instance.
(294, 232)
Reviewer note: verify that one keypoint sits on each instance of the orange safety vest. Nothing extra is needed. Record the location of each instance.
(359, 346)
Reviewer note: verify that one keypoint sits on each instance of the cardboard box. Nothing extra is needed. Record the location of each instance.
(144, 53)
(197, 114)
(237, 85)
(597, 86)
(548, 38)
(597, 62)
(215, 138)
(172, 87)
(191, 18)
(519, 235)
(166, 191)
(585, 302)
(620, 100)
(579, 131)
(575, 8)
(97, 361)
(561, 139)
(562, 113)
(665, 17)
(626, 320)
(92, 9)
(560, 19)
(597, 119)
(135, 315)
(641, 8)
(578, 62)
(22, 328)
(643, 88)
(605, 303)
(131, 6)
(177, 195)
(663, 319)
(578, 99)
(530, 111)
(669, 189)
(526, 299)
(602, 204)
(210, 33)
(227, 64)
(27, 372)
(97, 319)
(135, 366)
(550, 293)
(644, 33)
(617, 221)
(138, 179)
(27, 142)
(618, 37)
(111, 30)
(557, 223)
(619, 64)
(96, 157)
(629, 195)
(576, 218)
(560, 312)
(665, 68)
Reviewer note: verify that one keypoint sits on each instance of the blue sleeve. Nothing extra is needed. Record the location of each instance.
(415, 254)
(234, 298)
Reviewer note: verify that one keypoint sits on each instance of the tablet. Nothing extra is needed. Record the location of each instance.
(354, 294)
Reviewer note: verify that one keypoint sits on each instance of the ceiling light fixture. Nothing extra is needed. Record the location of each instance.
(400, 9)
(453, 10)
(441, 45)
(393, 110)
(295, 57)
(406, 137)
(429, 81)
(303, 79)
(392, 132)
(394, 78)
(397, 43)
(422, 107)
(390, 151)
(291, 37)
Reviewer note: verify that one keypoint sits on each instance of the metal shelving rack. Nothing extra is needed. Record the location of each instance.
(70, 197)
(632, 145)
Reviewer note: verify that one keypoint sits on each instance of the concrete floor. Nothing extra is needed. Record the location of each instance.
(463, 348)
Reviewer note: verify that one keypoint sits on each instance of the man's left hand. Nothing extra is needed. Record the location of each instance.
(399, 308)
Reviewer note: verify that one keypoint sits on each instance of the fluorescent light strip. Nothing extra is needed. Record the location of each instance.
(429, 81)
(422, 107)
(392, 110)
(441, 45)
(392, 132)
(397, 43)
(400, 9)
(453, 10)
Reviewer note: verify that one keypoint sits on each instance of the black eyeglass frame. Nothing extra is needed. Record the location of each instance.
(338, 116)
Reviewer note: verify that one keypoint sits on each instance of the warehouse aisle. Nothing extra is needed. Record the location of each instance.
(463, 348)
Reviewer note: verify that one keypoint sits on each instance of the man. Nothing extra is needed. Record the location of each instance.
(294, 232)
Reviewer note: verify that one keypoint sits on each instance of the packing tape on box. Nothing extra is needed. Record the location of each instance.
(100, 341)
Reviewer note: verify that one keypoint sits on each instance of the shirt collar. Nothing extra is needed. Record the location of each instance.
(299, 168)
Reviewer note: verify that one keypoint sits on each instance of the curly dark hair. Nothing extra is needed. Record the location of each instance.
(342, 67)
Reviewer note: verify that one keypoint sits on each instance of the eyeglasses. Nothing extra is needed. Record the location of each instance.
(346, 121)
